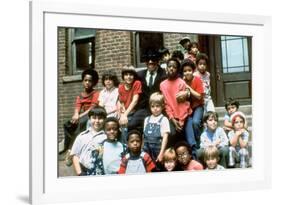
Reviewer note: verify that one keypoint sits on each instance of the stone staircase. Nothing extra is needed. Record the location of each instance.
(246, 109)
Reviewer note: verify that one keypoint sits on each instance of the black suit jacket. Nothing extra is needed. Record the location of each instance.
(146, 92)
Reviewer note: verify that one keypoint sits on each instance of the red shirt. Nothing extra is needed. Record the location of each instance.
(85, 101)
(147, 161)
(170, 88)
(126, 96)
(193, 165)
(197, 85)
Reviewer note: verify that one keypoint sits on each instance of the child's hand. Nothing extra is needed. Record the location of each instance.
(160, 157)
(177, 124)
(239, 132)
(217, 142)
(181, 96)
(123, 119)
(75, 118)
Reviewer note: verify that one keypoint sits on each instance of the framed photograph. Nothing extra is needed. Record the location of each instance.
(69, 38)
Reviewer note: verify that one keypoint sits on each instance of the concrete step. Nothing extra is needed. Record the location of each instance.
(246, 109)
(248, 119)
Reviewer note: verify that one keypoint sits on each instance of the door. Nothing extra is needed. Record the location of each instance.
(230, 68)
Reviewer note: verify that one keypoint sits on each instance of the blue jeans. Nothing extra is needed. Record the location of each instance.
(197, 116)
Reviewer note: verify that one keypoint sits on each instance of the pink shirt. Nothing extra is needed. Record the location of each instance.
(169, 89)
(193, 165)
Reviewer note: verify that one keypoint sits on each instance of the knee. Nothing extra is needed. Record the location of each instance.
(243, 152)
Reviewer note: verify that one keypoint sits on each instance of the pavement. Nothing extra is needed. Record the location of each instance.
(63, 169)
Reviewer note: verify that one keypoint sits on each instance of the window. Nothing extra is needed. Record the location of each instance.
(81, 49)
(144, 41)
(235, 55)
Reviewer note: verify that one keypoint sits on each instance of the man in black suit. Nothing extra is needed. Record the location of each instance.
(150, 78)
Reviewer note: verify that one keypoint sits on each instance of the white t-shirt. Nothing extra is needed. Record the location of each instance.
(108, 99)
(112, 156)
(164, 125)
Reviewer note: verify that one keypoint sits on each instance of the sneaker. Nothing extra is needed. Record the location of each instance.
(61, 147)
(68, 159)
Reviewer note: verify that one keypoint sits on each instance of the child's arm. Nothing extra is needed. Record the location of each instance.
(163, 147)
(227, 125)
(194, 93)
(124, 115)
(75, 117)
(244, 142)
(76, 165)
(223, 140)
(234, 137)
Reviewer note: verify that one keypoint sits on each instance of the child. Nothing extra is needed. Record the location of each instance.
(215, 136)
(87, 146)
(196, 92)
(170, 160)
(238, 138)
(178, 55)
(87, 100)
(165, 56)
(193, 51)
(201, 63)
(231, 107)
(183, 46)
(177, 112)
(129, 92)
(184, 155)
(211, 157)
(112, 149)
(108, 97)
(136, 161)
(156, 129)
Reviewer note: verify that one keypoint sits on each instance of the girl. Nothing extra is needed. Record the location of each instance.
(112, 149)
(129, 92)
(211, 158)
(238, 138)
(108, 97)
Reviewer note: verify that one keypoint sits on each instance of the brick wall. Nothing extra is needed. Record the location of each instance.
(171, 40)
(113, 50)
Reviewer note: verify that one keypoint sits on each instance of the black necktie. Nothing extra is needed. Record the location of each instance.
(150, 83)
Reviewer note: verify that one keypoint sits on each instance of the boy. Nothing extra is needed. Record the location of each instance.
(184, 155)
(86, 147)
(231, 107)
(136, 161)
(129, 93)
(177, 112)
(211, 157)
(215, 136)
(87, 100)
(156, 129)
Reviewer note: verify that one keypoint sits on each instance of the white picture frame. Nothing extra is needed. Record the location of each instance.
(46, 187)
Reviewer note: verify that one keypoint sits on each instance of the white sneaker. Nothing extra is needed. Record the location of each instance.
(61, 146)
